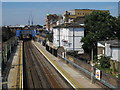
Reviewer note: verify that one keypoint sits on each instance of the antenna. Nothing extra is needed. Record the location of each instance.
(32, 19)
(29, 20)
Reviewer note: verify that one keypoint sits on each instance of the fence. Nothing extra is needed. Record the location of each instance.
(106, 79)
(7, 48)
(51, 50)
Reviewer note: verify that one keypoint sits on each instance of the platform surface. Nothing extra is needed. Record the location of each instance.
(75, 77)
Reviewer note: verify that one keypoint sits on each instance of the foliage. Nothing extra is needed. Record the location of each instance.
(100, 26)
(39, 26)
(117, 28)
(89, 40)
(103, 62)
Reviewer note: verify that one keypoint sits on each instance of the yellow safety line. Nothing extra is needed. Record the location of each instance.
(20, 65)
(15, 79)
(68, 76)
(15, 83)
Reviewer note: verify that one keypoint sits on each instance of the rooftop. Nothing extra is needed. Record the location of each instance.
(67, 25)
(113, 43)
(88, 9)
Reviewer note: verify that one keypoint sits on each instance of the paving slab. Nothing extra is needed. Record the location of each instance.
(75, 75)
(15, 74)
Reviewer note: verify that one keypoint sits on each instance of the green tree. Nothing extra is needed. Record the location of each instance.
(98, 26)
(117, 28)
(104, 62)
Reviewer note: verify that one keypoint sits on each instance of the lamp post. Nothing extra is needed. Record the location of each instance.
(73, 37)
(59, 29)
(92, 64)
(92, 73)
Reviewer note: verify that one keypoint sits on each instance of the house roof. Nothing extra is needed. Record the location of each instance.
(67, 25)
(100, 45)
(113, 43)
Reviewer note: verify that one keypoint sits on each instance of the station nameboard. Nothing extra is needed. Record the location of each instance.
(97, 74)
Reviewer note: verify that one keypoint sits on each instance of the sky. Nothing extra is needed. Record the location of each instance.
(60, 0)
(19, 12)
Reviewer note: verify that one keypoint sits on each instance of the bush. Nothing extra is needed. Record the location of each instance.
(103, 62)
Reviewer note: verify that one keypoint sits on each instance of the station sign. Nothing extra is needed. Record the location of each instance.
(97, 74)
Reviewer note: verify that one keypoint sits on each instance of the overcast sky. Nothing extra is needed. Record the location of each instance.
(19, 12)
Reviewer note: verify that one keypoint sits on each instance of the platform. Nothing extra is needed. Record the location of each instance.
(75, 78)
(15, 77)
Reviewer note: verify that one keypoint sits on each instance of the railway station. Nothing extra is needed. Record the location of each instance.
(77, 49)
(35, 63)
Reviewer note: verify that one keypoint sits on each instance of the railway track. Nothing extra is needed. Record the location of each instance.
(38, 72)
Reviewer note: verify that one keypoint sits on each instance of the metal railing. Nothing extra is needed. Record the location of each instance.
(88, 72)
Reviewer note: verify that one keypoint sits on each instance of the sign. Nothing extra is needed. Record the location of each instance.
(97, 74)
(63, 54)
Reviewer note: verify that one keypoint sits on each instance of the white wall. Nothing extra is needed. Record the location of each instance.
(72, 12)
(66, 34)
(107, 50)
(55, 36)
(115, 54)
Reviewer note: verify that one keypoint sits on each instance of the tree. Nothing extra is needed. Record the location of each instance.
(98, 26)
(117, 28)
(104, 62)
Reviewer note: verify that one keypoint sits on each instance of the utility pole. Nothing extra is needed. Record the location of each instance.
(31, 17)
(92, 69)
(59, 30)
(32, 22)
(28, 22)
(73, 38)
(59, 35)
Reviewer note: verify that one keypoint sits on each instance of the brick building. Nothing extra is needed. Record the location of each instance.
(51, 20)
(78, 15)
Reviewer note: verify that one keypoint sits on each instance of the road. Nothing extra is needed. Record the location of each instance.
(38, 72)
